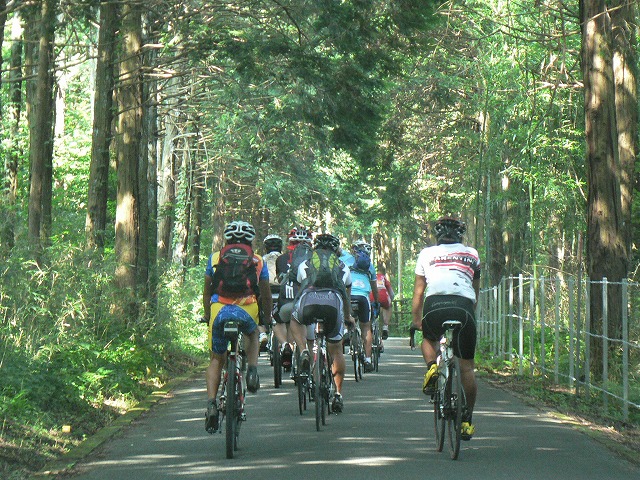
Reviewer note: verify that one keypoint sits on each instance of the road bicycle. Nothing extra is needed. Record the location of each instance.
(449, 400)
(323, 383)
(231, 402)
(376, 343)
(302, 382)
(356, 348)
(274, 348)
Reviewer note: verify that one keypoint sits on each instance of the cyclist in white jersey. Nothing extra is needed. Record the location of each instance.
(446, 287)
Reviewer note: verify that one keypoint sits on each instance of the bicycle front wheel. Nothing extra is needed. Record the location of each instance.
(231, 407)
(277, 362)
(455, 399)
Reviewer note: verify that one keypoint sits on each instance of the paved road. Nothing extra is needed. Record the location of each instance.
(384, 432)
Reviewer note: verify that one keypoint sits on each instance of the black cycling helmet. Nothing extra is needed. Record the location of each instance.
(327, 241)
(300, 234)
(239, 231)
(449, 230)
(272, 243)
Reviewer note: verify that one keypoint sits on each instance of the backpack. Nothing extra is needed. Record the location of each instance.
(235, 274)
(362, 261)
(302, 252)
(270, 259)
(324, 270)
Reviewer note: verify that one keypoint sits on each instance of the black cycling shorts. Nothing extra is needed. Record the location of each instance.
(440, 308)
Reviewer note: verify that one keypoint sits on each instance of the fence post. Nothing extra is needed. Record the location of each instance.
(521, 325)
(511, 318)
(605, 343)
(532, 308)
(625, 349)
(541, 302)
(556, 341)
(501, 318)
(587, 336)
(572, 373)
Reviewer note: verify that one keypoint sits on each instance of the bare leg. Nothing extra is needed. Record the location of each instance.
(214, 371)
(367, 338)
(338, 367)
(251, 347)
(469, 383)
(429, 350)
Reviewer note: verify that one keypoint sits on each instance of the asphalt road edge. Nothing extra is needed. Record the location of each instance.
(67, 461)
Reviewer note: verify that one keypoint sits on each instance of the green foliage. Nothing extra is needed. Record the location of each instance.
(66, 360)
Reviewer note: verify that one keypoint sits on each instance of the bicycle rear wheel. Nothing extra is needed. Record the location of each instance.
(231, 407)
(439, 420)
(454, 418)
(355, 354)
(277, 362)
(317, 387)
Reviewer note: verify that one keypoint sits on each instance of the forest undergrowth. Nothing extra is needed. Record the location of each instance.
(71, 365)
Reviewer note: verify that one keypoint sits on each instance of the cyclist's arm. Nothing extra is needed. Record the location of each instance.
(476, 288)
(374, 289)
(207, 292)
(265, 300)
(418, 300)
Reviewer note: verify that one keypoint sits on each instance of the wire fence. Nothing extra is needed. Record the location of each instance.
(542, 327)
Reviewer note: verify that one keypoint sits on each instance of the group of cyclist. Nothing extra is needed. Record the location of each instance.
(446, 287)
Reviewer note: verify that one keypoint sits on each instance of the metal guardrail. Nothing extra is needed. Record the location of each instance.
(542, 326)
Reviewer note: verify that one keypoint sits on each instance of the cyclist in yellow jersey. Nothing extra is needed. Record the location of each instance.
(221, 302)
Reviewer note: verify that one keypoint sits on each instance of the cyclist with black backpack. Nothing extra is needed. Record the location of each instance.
(325, 288)
(298, 250)
(363, 284)
(235, 280)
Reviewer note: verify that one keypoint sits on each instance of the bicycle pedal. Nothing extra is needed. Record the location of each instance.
(243, 417)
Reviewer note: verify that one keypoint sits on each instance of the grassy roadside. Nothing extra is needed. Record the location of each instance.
(70, 366)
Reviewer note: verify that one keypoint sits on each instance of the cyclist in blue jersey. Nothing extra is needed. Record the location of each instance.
(363, 283)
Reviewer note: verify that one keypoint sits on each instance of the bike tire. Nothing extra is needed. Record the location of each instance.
(277, 362)
(355, 354)
(454, 420)
(324, 389)
(302, 394)
(317, 390)
(439, 419)
(231, 407)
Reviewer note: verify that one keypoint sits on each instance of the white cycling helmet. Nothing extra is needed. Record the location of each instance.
(300, 234)
(239, 231)
(361, 245)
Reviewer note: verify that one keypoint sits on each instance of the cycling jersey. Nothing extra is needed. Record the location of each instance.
(360, 281)
(261, 269)
(449, 269)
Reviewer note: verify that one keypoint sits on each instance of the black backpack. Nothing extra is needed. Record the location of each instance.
(302, 252)
(235, 274)
(289, 285)
(324, 270)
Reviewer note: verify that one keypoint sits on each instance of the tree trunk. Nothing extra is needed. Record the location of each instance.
(606, 250)
(150, 151)
(40, 122)
(13, 153)
(129, 127)
(625, 72)
(96, 220)
(167, 170)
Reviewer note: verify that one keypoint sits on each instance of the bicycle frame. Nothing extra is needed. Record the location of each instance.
(449, 398)
(322, 378)
(231, 402)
